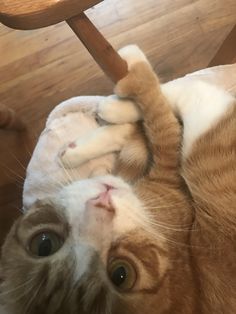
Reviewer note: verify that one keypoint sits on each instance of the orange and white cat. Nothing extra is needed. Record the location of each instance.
(163, 244)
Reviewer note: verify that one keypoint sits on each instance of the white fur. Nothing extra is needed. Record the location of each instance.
(118, 110)
(199, 105)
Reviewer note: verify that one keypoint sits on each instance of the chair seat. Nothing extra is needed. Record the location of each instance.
(31, 14)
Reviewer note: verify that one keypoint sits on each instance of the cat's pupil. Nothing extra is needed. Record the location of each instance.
(45, 246)
(119, 276)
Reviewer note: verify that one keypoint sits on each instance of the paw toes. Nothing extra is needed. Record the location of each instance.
(107, 109)
(118, 111)
(132, 54)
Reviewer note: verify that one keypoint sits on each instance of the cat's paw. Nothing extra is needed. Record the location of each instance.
(71, 155)
(132, 54)
(140, 79)
(96, 143)
(118, 111)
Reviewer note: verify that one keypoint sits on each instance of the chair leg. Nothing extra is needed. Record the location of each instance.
(227, 52)
(9, 120)
(100, 49)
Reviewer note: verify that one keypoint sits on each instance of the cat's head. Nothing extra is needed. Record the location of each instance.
(92, 249)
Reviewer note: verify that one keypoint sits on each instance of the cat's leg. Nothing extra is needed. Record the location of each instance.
(160, 124)
(98, 142)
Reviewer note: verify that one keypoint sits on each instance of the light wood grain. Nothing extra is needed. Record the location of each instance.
(40, 68)
(30, 14)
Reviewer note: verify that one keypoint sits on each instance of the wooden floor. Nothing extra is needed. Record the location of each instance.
(39, 69)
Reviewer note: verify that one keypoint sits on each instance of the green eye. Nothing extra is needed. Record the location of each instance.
(45, 244)
(122, 274)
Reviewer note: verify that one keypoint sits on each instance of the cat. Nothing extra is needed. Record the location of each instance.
(163, 244)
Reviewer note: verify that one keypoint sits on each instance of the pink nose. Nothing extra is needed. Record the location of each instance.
(103, 200)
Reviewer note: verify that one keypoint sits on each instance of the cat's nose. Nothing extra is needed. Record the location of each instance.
(103, 200)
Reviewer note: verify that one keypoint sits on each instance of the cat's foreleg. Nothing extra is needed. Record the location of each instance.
(160, 124)
(98, 142)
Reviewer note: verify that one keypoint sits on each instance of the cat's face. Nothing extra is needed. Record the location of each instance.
(92, 249)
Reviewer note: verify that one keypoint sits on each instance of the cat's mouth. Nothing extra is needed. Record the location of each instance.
(104, 200)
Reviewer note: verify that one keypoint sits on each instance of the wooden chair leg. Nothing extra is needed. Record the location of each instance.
(9, 119)
(227, 52)
(101, 50)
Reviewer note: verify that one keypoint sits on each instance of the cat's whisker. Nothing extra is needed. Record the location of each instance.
(4, 293)
(19, 209)
(168, 204)
(28, 289)
(180, 244)
(170, 228)
(20, 179)
(13, 172)
(28, 151)
(29, 304)
(72, 285)
(172, 242)
(152, 219)
(18, 161)
(69, 177)
(18, 182)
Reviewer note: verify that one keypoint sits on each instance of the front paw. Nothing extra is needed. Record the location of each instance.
(118, 111)
(141, 78)
(71, 155)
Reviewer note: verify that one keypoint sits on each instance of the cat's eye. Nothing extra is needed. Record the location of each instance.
(122, 274)
(45, 244)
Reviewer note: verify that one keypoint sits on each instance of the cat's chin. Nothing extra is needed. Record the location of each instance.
(83, 191)
(101, 203)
